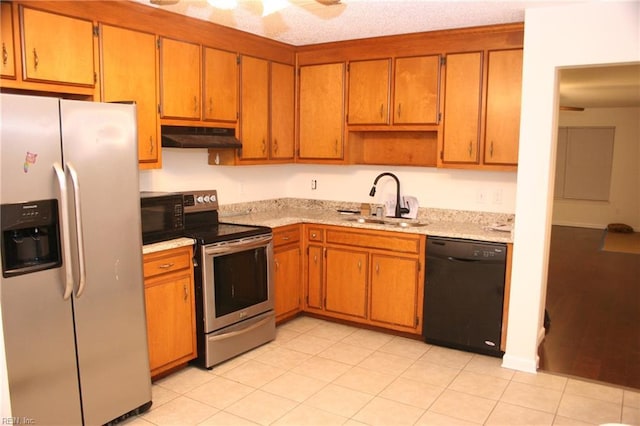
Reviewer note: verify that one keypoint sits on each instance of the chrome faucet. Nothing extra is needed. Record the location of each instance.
(399, 209)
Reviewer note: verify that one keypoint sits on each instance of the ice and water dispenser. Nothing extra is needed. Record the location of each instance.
(30, 237)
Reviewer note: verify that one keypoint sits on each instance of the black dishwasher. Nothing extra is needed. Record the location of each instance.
(464, 293)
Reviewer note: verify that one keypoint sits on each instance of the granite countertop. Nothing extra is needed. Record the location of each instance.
(166, 245)
(444, 223)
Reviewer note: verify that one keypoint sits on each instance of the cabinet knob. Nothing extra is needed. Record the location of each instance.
(195, 104)
(399, 110)
(491, 150)
(186, 293)
(275, 146)
(470, 148)
(151, 145)
(381, 110)
(166, 265)
(313, 235)
(5, 54)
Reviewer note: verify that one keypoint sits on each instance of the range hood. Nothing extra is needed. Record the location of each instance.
(199, 137)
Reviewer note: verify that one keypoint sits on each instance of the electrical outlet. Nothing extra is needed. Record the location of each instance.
(314, 184)
(481, 196)
(497, 196)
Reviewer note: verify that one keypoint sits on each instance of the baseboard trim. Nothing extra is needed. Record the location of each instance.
(521, 364)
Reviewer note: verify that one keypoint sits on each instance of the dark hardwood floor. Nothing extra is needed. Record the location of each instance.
(593, 301)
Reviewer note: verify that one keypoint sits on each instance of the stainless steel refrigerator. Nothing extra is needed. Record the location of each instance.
(72, 294)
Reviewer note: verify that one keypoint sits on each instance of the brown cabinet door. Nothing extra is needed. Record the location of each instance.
(127, 76)
(315, 277)
(463, 84)
(254, 106)
(170, 320)
(321, 103)
(179, 79)
(416, 90)
(8, 68)
(346, 282)
(369, 92)
(504, 88)
(220, 85)
(394, 290)
(287, 281)
(57, 48)
(282, 111)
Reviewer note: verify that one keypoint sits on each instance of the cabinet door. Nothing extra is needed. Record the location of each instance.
(57, 48)
(416, 90)
(504, 88)
(127, 76)
(394, 290)
(321, 130)
(254, 104)
(220, 85)
(179, 79)
(463, 80)
(346, 282)
(369, 92)
(170, 319)
(315, 275)
(6, 37)
(287, 281)
(282, 111)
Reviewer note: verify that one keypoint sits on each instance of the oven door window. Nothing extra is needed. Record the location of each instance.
(240, 280)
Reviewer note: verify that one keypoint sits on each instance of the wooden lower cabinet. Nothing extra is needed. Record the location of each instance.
(365, 276)
(170, 308)
(287, 275)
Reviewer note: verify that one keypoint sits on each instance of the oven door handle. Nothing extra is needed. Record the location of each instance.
(242, 331)
(236, 246)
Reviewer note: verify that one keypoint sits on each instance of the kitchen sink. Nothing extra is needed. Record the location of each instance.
(366, 220)
(399, 224)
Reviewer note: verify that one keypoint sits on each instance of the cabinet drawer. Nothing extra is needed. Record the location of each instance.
(286, 236)
(397, 243)
(167, 261)
(315, 234)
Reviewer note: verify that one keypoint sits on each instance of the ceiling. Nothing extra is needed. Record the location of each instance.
(304, 22)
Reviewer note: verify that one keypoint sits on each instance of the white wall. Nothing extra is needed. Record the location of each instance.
(577, 34)
(624, 200)
(435, 188)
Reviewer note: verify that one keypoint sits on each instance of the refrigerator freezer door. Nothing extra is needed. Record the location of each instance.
(99, 144)
(37, 321)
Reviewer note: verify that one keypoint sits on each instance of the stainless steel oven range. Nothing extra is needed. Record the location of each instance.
(233, 281)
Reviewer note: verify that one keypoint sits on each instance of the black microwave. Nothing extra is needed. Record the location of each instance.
(162, 216)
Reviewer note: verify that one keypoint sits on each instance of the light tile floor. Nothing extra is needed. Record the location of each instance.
(322, 373)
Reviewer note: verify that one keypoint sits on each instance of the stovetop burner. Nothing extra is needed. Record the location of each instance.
(201, 220)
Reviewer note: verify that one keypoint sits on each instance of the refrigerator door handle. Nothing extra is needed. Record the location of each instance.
(80, 236)
(66, 237)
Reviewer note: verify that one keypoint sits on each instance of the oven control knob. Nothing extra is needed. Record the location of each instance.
(213, 198)
(199, 199)
(206, 199)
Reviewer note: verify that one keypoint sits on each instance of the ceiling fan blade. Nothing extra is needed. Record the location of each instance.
(163, 2)
(328, 2)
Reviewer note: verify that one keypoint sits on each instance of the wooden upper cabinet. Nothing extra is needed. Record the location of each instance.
(56, 48)
(8, 68)
(127, 76)
(416, 90)
(369, 92)
(462, 101)
(503, 107)
(179, 79)
(220, 85)
(321, 103)
(254, 105)
(282, 111)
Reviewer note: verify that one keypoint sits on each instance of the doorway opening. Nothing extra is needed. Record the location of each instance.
(593, 296)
